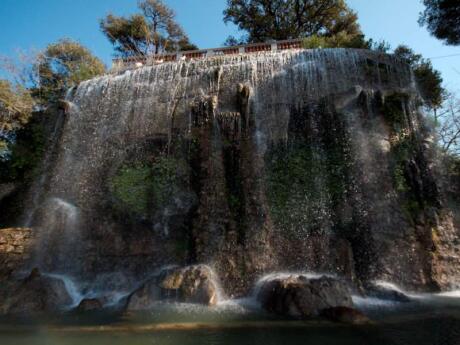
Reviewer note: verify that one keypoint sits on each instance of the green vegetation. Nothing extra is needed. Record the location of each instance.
(303, 184)
(62, 65)
(403, 151)
(428, 79)
(264, 20)
(394, 112)
(142, 188)
(442, 18)
(166, 172)
(152, 32)
(16, 106)
(26, 153)
(40, 84)
(131, 187)
(341, 40)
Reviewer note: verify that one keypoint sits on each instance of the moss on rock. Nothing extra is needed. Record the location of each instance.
(141, 188)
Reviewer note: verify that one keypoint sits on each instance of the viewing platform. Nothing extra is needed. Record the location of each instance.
(123, 64)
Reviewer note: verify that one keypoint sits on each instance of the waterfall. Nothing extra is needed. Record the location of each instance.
(38, 187)
(145, 167)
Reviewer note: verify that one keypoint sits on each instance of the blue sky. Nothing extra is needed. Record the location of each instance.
(28, 24)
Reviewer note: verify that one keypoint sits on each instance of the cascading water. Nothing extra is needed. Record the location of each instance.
(252, 164)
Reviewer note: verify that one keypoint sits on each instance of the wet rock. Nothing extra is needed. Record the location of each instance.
(36, 294)
(386, 292)
(144, 297)
(299, 296)
(192, 284)
(7, 189)
(345, 315)
(89, 304)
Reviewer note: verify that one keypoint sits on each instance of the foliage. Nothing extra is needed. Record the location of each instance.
(232, 41)
(304, 184)
(130, 186)
(341, 40)
(447, 122)
(152, 32)
(264, 20)
(26, 153)
(442, 18)
(428, 79)
(19, 69)
(16, 106)
(61, 66)
(403, 151)
(129, 35)
(142, 187)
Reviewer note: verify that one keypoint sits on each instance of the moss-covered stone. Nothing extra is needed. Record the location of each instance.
(140, 189)
(394, 112)
(295, 187)
(131, 188)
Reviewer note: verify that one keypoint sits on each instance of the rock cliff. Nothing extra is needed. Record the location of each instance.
(298, 161)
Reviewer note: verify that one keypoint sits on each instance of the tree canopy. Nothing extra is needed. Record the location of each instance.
(264, 20)
(63, 65)
(16, 105)
(428, 79)
(442, 18)
(153, 31)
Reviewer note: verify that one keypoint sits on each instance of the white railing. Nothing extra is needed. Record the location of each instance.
(122, 64)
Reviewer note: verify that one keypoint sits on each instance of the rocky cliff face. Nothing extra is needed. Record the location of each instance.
(297, 161)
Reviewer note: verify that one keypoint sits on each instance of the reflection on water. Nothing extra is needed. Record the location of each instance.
(429, 320)
(431, 331)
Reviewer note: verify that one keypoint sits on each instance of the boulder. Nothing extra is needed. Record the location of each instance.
(144, 297)
(386, 292)
(345, 315)
(89, 304)
(192, 284)
(36, 294)
(300, 296)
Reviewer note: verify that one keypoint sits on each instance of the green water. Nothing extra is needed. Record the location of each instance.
(432, 322)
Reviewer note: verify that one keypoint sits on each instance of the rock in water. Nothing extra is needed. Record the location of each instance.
(89, 304)
(299, 296)
(192, 284)
(145, 297)
(36, 294)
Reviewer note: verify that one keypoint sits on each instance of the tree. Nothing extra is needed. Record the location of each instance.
(152, 32)
(428, 79)
(16, 105)
(130, 36)
(61, 66)
(264, 20)
(447, 122)
(442, 18)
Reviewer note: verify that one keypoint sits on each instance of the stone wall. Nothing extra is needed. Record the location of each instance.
(15, 249)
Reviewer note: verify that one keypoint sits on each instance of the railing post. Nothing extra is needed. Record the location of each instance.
(274, 47)
(241, 50)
